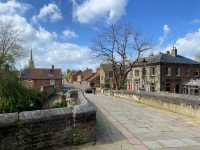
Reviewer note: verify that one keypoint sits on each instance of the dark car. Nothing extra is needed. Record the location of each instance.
(90, 90)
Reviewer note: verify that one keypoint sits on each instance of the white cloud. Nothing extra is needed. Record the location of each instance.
(12, 7)
(166, 31)
(93, 10)
(189, 45)
(47, 49)
(50, 11)
(69, 34)
(196, 21)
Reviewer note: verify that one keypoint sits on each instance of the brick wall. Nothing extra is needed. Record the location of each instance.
(48, 129)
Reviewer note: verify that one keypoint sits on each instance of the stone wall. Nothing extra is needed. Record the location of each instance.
(173, 98)
(178, 99)
(48, 129)
(188, 105)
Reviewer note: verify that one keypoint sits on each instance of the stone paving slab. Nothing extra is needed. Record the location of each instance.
(126, 125)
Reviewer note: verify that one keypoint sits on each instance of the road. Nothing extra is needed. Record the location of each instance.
(127, 125)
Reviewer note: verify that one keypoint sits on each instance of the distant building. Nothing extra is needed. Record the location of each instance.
(106, 76)
(73, 77)
(79, 76)
(94, 79)
(87, 73)
(192, 86)
(42, 78)
(163, 72)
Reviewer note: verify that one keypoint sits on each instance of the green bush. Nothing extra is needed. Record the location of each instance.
(14, 97)
(60, 104)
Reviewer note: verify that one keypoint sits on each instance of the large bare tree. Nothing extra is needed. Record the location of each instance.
(120, 46)
(9, 44)
(197, 57)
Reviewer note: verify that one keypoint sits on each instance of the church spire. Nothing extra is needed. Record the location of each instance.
(31, 62)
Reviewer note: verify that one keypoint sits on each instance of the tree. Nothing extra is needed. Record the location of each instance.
(10, 48)
(120, 46)
(198, 57)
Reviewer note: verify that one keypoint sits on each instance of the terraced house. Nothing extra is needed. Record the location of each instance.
(163, 72)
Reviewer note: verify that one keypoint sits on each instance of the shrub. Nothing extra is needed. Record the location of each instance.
(14, 97)
(61, 104)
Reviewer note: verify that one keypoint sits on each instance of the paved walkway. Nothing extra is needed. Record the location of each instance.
(126, 125)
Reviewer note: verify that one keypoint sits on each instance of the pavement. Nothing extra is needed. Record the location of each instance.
(127, 125)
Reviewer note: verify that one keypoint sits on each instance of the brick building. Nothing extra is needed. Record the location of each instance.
(163, 72)
(42, 78)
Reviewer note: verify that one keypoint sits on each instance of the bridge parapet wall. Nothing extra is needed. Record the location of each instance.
(48, 129)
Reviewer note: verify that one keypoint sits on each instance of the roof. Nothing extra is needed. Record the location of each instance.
(41, 74)
(94, 77)
(87, 74)
(193, 82)
(167, 58)
(86, 77)
(106, 67)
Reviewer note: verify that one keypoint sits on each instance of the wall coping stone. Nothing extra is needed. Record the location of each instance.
(8, 119)
(31, 116)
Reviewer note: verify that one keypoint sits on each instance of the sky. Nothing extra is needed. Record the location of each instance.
(61, 32)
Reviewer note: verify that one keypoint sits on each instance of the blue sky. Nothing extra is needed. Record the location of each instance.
(60, 32)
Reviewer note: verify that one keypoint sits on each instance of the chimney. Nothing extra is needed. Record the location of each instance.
(52, 68)
(174, 51)
(168, 52)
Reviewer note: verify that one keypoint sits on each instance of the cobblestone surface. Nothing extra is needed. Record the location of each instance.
(126, 125)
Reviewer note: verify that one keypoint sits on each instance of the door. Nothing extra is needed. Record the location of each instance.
(177, 88)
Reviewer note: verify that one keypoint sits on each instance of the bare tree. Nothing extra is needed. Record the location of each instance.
(122, 47)
(9, 44)
(197, 57)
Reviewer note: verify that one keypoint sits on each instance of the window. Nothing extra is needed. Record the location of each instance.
(152, 87)
(178, 71)
(152, 71)
(110, 74)
(196, 92)
(168, 87)
(102, 78)
(144, 72)
(196, 73)
(137, 73)
(169, 71)
(52, 82)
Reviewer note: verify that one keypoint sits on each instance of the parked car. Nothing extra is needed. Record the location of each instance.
(90, 90)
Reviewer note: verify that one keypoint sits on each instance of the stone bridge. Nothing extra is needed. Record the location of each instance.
(127, 125)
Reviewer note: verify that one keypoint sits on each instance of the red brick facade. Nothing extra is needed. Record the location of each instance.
(42, 78)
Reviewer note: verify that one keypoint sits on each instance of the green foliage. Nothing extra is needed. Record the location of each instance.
(61, 104)
(14, 97)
